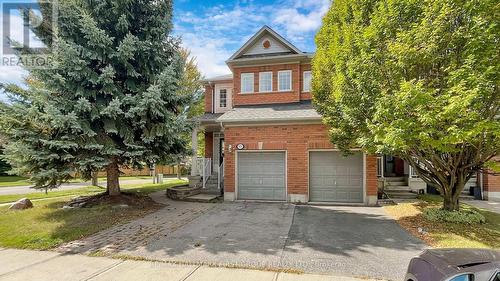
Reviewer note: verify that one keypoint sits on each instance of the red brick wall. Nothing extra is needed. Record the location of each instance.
(208, 98)
(274, 96)
(491, 181)
(371, 175)
(209, 145)
(296, 140)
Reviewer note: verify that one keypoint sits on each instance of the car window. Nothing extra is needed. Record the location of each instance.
(496, 277)
(464, 277)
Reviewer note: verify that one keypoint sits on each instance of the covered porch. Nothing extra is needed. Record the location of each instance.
(208, 170)
(398, 179)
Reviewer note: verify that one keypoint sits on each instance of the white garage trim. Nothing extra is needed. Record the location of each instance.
(236, 173)
(309, 178)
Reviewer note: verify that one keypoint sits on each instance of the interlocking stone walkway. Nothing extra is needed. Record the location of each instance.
(138, 233)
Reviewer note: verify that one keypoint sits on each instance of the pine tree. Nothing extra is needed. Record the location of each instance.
(110, 100)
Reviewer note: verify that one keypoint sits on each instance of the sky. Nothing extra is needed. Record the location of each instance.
(214, 30)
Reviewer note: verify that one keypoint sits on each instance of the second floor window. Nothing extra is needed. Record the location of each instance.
(247, 83)
(284, 80)
(307, 81)
(223, 98)
(265, 82)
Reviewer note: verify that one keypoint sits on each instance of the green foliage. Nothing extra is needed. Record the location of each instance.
(415, 79)
(4, 167)
(111, 97)
(462, 216)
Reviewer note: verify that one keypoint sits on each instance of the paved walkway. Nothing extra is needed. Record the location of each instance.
(52, 266)
(491, 206)
(138, 233)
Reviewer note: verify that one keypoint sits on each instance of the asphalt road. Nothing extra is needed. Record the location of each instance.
(8, 190)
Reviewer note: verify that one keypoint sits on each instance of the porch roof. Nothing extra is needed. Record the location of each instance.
(208, 118)
(302, 111)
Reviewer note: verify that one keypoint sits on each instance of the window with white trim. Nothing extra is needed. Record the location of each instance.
(284, 80)
(307, 81)
(222, 98)
(247, 83)
(265, 82)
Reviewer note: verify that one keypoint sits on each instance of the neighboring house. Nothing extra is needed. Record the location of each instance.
(265, 141)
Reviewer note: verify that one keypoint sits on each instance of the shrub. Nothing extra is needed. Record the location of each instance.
(462, 216)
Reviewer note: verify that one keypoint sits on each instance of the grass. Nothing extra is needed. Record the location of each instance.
(36, 195)
(47, 225)
(51, 194)
(445, 234)
(13, 181)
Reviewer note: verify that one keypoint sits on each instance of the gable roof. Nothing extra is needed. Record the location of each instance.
(265, 30)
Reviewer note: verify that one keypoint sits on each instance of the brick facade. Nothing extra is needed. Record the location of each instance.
(295, 95)
(297, 140)
(209, 145)
(208, 98)
(491, 184)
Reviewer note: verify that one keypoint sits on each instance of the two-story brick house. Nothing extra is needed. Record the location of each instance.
(268, 141)
(265, 141)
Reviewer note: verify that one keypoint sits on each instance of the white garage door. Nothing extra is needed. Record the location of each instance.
(335, 178)
(261, 176)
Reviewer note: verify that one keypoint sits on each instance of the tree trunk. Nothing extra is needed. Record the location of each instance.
(178, 171)
(451, 197)
(449, 204)
(112, 178)
(95, 182)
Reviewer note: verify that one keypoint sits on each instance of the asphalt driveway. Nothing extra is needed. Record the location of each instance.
(344, 241)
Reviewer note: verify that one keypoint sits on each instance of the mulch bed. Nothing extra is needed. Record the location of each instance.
(123, 200)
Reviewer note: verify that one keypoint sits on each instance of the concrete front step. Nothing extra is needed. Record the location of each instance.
(401, 195)
(388, 179)
(395, 183)
(203, 198)
(214, 191)
(397, 188)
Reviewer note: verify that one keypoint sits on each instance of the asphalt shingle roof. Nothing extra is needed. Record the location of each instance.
(271, 113)
(208, 117)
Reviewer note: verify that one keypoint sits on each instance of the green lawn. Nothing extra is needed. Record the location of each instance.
(13, 181)
(447, 235)
(47, 225)
(35, 195)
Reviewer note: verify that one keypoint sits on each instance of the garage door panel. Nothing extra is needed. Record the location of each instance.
(261, 176)
(334, 178)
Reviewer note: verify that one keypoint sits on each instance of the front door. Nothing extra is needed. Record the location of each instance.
(218, 151)
(221, 151)
(393, 166)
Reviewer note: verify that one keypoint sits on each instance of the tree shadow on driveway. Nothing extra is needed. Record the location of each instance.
(355, 241)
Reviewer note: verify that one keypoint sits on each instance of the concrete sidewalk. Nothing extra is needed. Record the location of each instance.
(52, 266)
(491, 206)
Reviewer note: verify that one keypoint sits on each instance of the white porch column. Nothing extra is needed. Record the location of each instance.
(194, 151)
